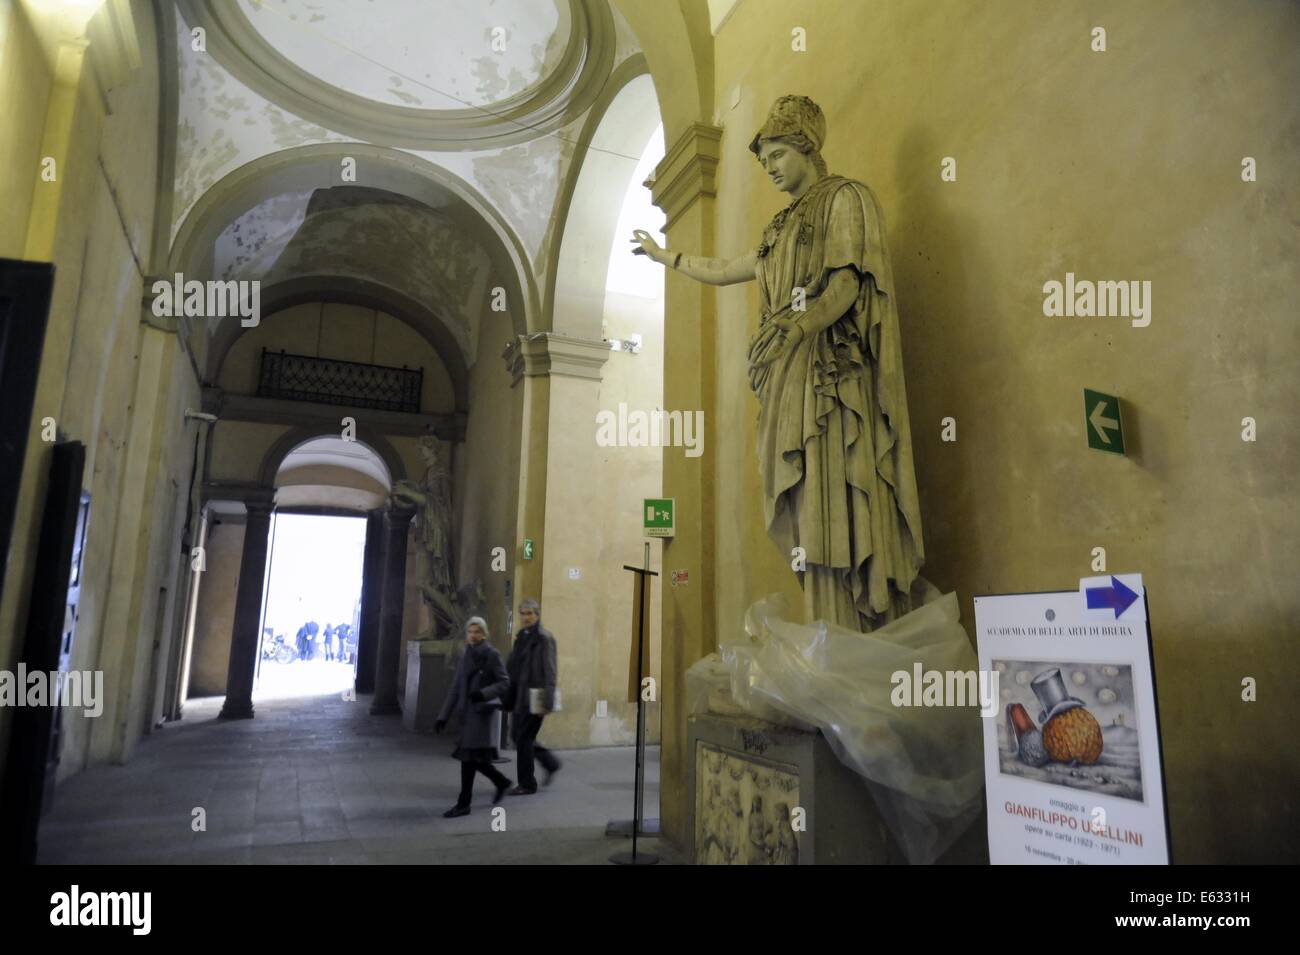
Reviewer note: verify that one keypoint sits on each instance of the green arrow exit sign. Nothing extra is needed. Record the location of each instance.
(657, 516)
(1102, 421)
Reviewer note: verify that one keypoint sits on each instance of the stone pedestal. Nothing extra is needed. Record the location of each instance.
(428, 681)
(746, 778)
(733, 759)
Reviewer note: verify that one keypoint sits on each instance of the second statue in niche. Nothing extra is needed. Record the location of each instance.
(448, 607)
(834, 443)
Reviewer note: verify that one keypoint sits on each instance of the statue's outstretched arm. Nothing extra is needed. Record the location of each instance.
(708, 271)
(405, 492)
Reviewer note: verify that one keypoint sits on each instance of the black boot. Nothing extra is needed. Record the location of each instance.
(456, 810)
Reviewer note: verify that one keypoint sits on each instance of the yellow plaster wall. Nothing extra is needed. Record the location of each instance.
(24, 93)
(625, 478)
(1117, 165)
(238, 448)
(486, 471)
(94, 222)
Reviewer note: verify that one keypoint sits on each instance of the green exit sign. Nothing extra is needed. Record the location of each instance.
(1102, 421)
(657, 516)
(528, 548)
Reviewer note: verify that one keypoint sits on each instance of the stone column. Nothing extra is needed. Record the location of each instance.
(561, 375)
(372, 590)
(685, 188)
(396, 523)
(246, 637)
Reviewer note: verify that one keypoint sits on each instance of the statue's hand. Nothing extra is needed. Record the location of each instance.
(645, 245)
(405, 491)
(778, 336)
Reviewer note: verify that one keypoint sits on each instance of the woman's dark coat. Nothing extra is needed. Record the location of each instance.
(480, 668)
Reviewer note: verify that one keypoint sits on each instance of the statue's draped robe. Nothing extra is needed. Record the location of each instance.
(834, 444)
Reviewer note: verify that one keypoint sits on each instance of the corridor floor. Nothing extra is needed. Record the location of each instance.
(321, 781)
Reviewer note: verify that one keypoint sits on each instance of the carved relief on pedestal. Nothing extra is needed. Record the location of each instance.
(743, 810)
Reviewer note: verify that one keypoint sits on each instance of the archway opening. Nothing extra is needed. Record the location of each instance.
(311, 610)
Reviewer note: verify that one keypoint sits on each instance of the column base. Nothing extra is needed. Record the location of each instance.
(385, 709)
(236, 711)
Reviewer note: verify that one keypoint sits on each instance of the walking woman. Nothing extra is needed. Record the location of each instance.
(476, 692)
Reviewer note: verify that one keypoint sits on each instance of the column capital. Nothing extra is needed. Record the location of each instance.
(259, 509)
(547, 353)
(687, 171)
(398, 517)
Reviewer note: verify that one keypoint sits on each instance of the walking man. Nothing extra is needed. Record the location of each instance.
(532, 666)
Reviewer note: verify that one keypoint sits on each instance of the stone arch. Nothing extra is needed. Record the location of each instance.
(296, 437)
(350, 290)
(589, 200)
(382, 168)
(677, 42)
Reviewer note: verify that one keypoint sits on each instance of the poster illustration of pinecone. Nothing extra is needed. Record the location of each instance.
(1070, 724)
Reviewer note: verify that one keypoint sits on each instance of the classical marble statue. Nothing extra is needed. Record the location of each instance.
(434, 571)
(834, 444)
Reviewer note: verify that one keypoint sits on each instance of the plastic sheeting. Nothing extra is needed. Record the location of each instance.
(923, 765)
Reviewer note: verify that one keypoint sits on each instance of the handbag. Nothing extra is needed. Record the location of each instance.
(477, 680)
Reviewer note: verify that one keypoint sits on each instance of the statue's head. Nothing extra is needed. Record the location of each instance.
(789, 143)
(430, 452)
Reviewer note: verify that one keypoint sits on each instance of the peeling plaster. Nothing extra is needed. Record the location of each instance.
(365, 233)
(523, 181)
(222, 124)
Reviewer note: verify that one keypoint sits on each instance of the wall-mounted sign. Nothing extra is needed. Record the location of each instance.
(1072, 761)
(657, 516)
(1102, 421)
(680, 577)
(528, 548)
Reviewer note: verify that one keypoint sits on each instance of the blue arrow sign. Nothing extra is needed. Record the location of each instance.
(1116, 597)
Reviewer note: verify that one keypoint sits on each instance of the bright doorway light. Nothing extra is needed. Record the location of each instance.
(315, 578)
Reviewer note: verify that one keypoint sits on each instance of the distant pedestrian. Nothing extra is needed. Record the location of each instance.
(329, 643)
(532, 666)
(304, 643)
(476, 692)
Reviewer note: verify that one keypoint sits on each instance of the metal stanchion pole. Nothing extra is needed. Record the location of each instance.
(634, 858)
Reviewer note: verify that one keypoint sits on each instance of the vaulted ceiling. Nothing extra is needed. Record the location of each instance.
(486, 98)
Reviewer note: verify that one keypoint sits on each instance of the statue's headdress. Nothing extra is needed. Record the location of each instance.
(790, 115)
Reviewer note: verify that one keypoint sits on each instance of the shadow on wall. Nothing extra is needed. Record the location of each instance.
(932, 264)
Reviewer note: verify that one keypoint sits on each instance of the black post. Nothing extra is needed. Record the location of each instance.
(638, 798)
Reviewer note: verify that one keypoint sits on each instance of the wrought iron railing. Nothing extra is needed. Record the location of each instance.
(335, 382)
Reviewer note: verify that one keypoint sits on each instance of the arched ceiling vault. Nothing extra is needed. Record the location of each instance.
(619, 126)
(307, 168)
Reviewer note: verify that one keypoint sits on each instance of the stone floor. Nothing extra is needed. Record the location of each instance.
(319, 780)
